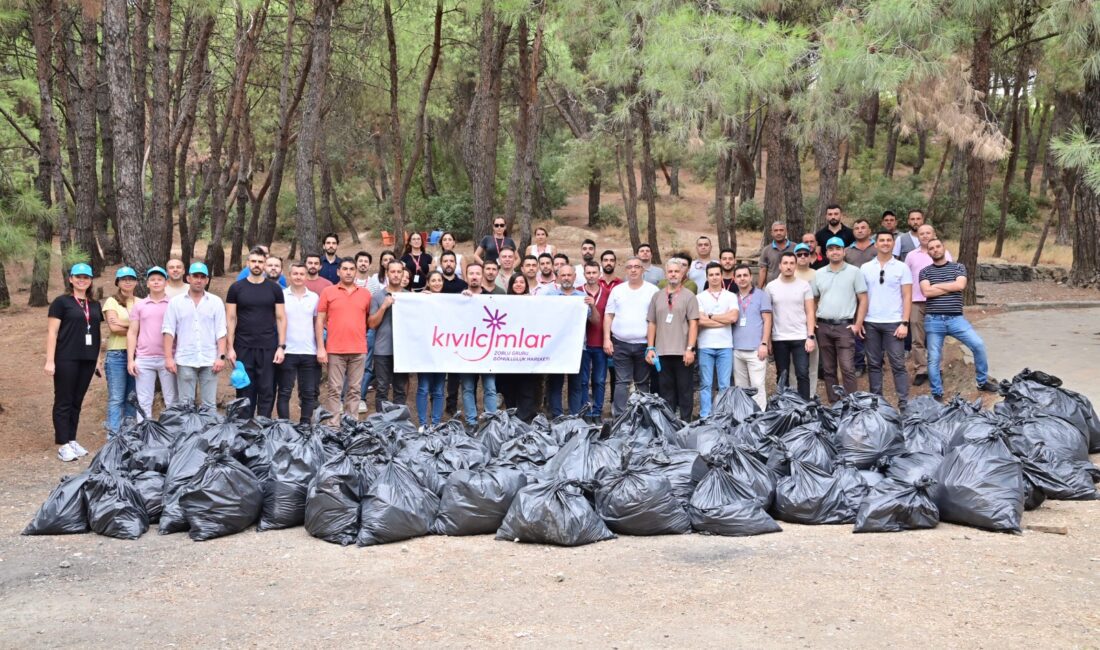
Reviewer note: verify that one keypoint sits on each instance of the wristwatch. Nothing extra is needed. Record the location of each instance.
(222, 357)
(691, 348)
(282, 346)
(812, 337)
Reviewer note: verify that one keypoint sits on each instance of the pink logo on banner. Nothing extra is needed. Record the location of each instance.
(492, 338)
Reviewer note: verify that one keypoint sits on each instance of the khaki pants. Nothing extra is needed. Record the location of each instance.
(749, 371)
(341, 367)
(919, 353)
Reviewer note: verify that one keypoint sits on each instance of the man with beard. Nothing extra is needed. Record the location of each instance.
(909, 241)
(653, 273)
(727, 259)
(917, 260)
(176, 286)
(834, 227)
(330, 266)
(862, 250)
(507, 260)
(273, 268)
(671, 334)
(489, 275)
(588, 254)
(773, 252)
(314, 281)
(817, 256)
(448, 261)
(255, 319)
(841, 296)
(545, 282)
(697, 273)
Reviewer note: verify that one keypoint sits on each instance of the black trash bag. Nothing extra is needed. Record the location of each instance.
(911, 466)
(760, 430)
(392, 422)
(735, 402)
(683, 468)
(223, 498)
(721, 505)
(150, 485)
(869, 430)
(786, 398)
(812, 496)
(63, 512)
(853, 481)
(953, 414)
(981, 484)
(332, 502)
(115, 507)
(185, 419)
(980, 426)
(1058, 478)
(894, 505)
(748, 471)
(808, 443)
(154, 448)
(529, 451)
(1033, 496)
(115, 455)
(294, 464)
(922, 435)
(475, 501)
(584, 455)
(647, 419)
(634, 500)
(871, 477)
(1059, 437)
(555, 512)
(496, 429)
(1036, 388)
(456, 451)
(924, 407)
(704, 435)
(396, 507)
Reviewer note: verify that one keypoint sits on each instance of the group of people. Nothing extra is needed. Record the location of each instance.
(695, 326)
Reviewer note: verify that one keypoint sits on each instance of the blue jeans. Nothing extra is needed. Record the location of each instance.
(709, 359)
(554, 384)
(368, 368)
(119, 386)
(429, 383)
(469, 395)
(937, 327)
(594, 375)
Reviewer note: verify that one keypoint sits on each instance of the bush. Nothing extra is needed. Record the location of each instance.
(453, 213)
(750, 216)
(868, 198)
(608, 216)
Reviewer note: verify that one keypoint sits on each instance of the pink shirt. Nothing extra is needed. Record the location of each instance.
(917, 260)
(149, 315)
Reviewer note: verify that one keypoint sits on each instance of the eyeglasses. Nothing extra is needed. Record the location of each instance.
(801, 254)
(633, 266)
(882, 276)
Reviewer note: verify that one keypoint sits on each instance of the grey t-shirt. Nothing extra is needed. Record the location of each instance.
(770, 256)
(672, 333)
(383, 334)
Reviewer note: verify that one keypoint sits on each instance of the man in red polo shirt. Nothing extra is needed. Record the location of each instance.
(343, 309)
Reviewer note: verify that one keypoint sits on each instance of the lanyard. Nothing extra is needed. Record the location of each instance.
(87, 309)
(742, 304)
(499, 243)
(713, 295)
(416, 261)
(595, 298)
(727, 284)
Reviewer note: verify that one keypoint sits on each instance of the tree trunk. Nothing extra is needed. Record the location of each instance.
(5, 294)
(479, 132)
(827, 158)
(773, 175)
(327, 223)
(722, 174)
(976, 171)
(892, 147)
(135, 233)
(649, 178)
(533, 122)
(1034, 142)
(49, 154)
(922, 151)
(83, 115)
(430, 187)
(108, 215)
(309, 131)
(244, 192)
(630, 195)
(187, 243)
(161, 131)
(595, 183)
(1014, 155)
(870, 118)
(674, 179)
(958, 175)
(930, 211)
(791, 170)
(521, 129)
(183, 128)
(1085, 271)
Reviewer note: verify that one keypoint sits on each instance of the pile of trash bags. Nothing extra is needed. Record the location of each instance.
(741, 471)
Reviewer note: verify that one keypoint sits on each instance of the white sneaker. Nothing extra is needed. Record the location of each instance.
(66, 453)
(362, 406)
(80, 451)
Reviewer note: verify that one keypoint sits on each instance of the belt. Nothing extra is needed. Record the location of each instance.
(942, 315)
(836, 321)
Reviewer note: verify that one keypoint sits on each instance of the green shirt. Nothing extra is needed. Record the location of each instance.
(836, 291)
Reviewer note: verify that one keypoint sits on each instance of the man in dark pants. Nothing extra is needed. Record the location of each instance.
(624, 333)
(381, 321)
(673, 328)
(330, 263)
(834, 227)
(300, 362)
(889, 301)
(255, 318)
(841, 296)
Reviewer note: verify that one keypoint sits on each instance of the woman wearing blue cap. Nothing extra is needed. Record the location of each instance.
(72, 356)
(120, 383)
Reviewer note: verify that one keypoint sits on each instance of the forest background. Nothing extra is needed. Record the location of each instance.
(132, 128)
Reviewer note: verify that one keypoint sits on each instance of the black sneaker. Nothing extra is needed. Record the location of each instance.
(920, 379)
(990, 386)
(938, 398)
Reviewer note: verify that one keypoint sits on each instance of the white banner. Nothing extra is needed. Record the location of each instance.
(488, 333)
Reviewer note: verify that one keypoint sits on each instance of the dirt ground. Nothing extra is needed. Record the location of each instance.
(807, 586)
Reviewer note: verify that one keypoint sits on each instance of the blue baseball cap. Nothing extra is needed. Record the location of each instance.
(802, 247)
(198, 267)
(834, 241)
(156, 269)
(125, 272)
(80, 269)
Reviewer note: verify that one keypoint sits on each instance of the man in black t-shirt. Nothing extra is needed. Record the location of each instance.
(834, 227)
(943, 284)
(448, 263)
(256, 324)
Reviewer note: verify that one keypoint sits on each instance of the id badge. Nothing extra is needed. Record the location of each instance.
(668, 319)
(743, 322)
(88, 338)
(416, 279)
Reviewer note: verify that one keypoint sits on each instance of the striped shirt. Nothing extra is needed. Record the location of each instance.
(950, 304)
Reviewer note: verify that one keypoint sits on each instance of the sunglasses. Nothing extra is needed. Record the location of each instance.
(801, 254)
(498, 225)
(882, 276)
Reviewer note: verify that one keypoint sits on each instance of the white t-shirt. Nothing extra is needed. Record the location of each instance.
(299, 322)
(697, 273)
(789, 308)
(884, 300)
(716, 337)
(630, 307)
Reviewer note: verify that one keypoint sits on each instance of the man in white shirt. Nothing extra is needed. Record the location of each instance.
(300, 362)
(624, 333)
(909, 241)
(717, 313)
(698, 271)
(546, 284)
(176, 286)
(889, 300)
(195, 338)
